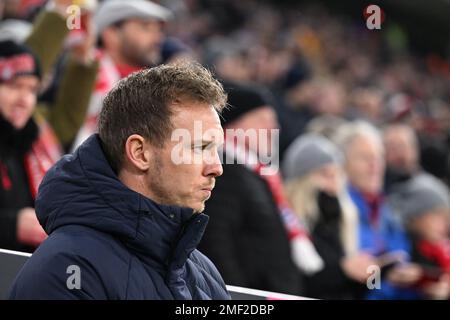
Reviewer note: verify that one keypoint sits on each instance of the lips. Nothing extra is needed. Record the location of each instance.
(207, 191)
(18, 112)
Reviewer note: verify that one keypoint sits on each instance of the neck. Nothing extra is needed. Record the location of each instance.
(133, 182)
(136, 182)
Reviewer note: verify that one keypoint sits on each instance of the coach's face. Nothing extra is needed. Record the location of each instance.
(183, 171)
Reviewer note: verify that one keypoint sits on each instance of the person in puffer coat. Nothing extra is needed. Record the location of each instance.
(123, 215)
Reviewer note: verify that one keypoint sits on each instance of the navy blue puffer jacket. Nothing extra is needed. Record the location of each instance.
(109, 242)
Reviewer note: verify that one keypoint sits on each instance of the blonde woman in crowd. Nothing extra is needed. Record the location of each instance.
(315, 186)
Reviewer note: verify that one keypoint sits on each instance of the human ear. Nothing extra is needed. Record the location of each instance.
(138, 152)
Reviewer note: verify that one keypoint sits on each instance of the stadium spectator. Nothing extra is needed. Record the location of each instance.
(424, 204)
(315, 185)
(380, 231)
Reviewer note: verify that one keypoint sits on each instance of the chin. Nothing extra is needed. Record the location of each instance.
(15, 122)
(199, 208)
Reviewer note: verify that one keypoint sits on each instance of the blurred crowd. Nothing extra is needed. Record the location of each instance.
(361, 209)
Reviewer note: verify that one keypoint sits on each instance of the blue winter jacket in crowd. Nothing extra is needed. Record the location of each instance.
(387, 236)
(109, 242)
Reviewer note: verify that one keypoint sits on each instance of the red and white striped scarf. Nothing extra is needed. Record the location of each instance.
(45, 152)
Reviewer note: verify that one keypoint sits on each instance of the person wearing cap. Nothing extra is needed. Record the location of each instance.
(315, 186)
(69, 68)
(124, 213)
(33, 134)
(30, 139)
(424, 205)
(27, 148)
(129, 36)
(253, 237)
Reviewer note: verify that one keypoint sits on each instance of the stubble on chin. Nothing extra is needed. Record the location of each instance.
(201, 209)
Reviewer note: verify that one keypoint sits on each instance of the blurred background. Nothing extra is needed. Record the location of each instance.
(380, 97)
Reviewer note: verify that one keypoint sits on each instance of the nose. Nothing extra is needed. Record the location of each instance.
(215, 168)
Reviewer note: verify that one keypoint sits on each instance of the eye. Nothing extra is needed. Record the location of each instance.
(206, 146)
(202, 147)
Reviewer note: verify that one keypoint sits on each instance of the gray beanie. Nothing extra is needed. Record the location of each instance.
(113, 11)
(419, 195)
(308, 153)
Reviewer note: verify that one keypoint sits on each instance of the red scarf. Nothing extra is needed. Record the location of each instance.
(125, 70)
(44, 153)
(291, 221)
(374, 201)
(6, 181)
(438, 252)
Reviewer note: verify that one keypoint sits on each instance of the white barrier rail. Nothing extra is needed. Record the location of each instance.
(12, 261)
